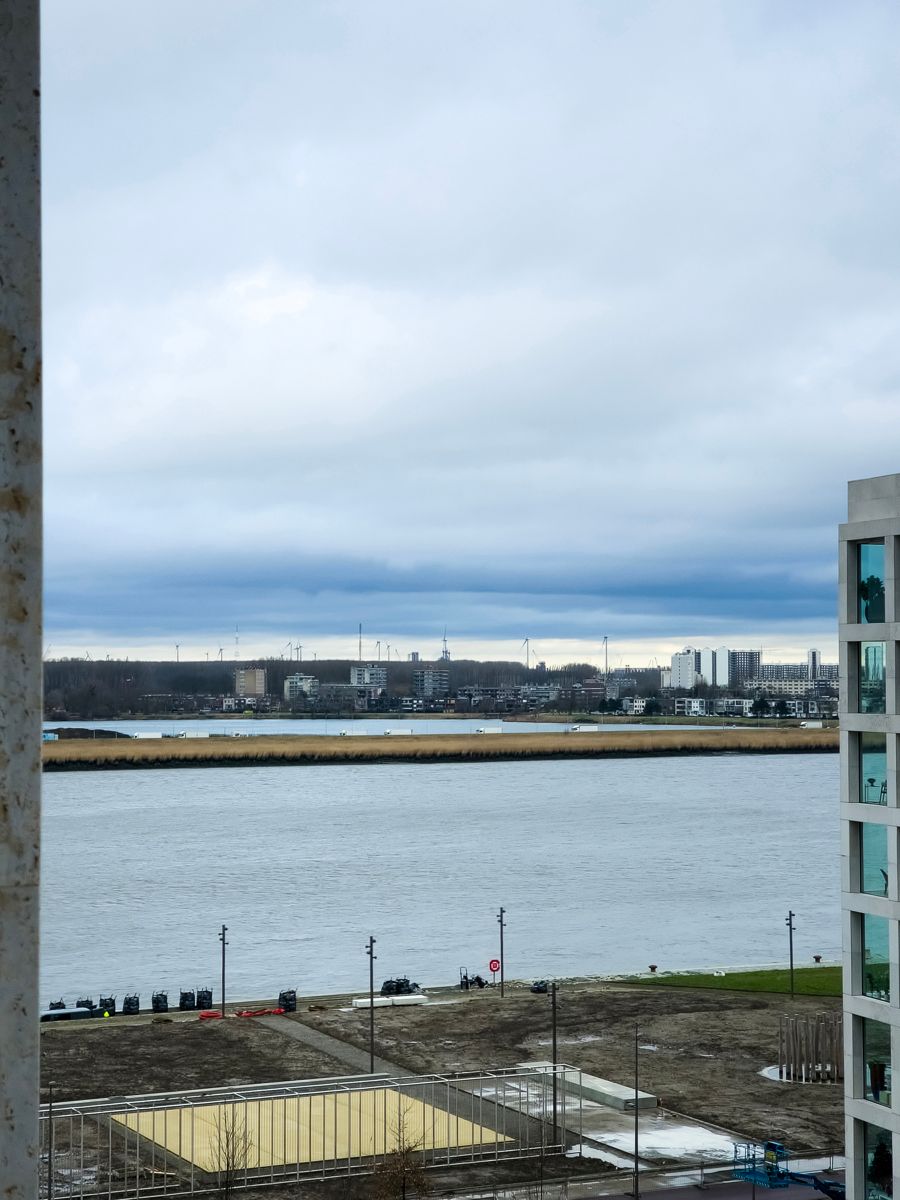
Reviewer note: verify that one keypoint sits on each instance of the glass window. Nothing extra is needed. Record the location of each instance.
(872, 768)
(870, 585)
(873, 859)
(879, 1162)
(877, 1061)
(876, 981)
(871, 677)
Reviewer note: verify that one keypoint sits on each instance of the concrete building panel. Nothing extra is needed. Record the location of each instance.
(870, 818)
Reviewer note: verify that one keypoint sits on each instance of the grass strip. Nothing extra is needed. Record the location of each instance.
(808, 981)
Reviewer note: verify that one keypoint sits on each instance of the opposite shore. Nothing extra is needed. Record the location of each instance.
(318, 750)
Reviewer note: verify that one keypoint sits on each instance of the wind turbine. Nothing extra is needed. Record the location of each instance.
(527, 645)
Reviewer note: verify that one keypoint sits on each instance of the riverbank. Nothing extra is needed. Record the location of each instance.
(687, 1035)
(292, 750)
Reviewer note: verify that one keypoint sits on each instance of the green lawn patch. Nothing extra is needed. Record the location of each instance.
(808, 981)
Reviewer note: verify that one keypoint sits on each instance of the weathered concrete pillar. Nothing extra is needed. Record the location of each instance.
(20, 593)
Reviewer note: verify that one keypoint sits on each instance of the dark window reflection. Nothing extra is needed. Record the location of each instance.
(871, 677)
(871, 582)
(879, 1163)
(876, 981)
(872, 768)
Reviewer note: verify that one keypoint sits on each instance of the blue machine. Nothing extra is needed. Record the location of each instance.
(767, 1167)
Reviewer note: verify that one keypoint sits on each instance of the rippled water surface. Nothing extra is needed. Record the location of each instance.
(603, 866)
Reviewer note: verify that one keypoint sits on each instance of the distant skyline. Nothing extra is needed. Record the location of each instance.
(526, 321)
(554, 653)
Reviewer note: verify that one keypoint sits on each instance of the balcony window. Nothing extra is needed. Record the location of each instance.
(879, 1162)
(873, 859)
(877, 1061)
(870, 584)
(876, 980)
(871, 677)
(872, 768)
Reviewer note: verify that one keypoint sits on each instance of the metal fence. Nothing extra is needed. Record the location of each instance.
(190, 1143)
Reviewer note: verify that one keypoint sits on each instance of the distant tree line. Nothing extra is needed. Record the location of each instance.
(106, 688)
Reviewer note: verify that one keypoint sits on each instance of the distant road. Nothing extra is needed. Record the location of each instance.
(292, 750)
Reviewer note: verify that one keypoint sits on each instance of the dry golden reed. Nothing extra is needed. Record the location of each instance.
(275, 750)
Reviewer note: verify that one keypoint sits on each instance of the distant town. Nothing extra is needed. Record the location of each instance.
(720, 682)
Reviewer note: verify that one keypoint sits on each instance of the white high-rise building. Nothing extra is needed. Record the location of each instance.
(869, 602)
(723, 667)
(714, 666)
(708, 666)
(686, 668)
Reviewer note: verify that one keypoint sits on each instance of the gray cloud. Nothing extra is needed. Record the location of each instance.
(469, 305)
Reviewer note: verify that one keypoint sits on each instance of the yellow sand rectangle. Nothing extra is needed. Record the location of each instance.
(329, 1127)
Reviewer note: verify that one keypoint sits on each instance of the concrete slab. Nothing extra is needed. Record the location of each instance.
(601, 1091)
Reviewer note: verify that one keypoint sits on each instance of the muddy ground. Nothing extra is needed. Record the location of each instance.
(123, 1057)
(708, 1047)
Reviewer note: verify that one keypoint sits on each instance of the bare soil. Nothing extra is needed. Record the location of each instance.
(125, 1057)
(701, 1050)
(708, 1047)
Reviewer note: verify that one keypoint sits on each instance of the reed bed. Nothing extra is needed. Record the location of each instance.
(122, 754)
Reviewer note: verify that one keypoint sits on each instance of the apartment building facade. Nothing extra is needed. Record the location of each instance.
(869, 603)
(250, 682)
(369, 675)
(431, 682)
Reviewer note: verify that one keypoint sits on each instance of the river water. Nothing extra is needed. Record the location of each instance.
(603, 866)
(347, 726)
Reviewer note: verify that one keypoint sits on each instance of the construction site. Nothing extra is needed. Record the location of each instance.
(461, 1087)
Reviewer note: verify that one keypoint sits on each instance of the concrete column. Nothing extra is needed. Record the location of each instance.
(20, 593)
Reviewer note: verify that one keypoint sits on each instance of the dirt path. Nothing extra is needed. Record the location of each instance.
(330, 1047)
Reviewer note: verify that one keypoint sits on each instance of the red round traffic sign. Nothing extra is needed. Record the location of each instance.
(494, 964)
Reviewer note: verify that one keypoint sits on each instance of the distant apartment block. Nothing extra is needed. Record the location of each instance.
(537, 693)
(781, 671)
(297, 686)
(781, 687)
(733, 706)
(369, 675)
(742, 664)
(715, 667)
(686, 669)
(250, 682)
(431, 683)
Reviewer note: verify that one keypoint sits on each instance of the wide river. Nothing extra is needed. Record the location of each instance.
(602, 866)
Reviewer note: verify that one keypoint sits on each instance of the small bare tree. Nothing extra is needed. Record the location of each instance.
(402, 1171)
(231, 1149)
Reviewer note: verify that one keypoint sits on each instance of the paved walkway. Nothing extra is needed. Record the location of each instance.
(356, 1059)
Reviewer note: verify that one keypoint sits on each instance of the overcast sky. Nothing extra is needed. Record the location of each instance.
(524, 319)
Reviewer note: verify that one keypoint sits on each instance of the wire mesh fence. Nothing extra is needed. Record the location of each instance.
(190, 1143)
